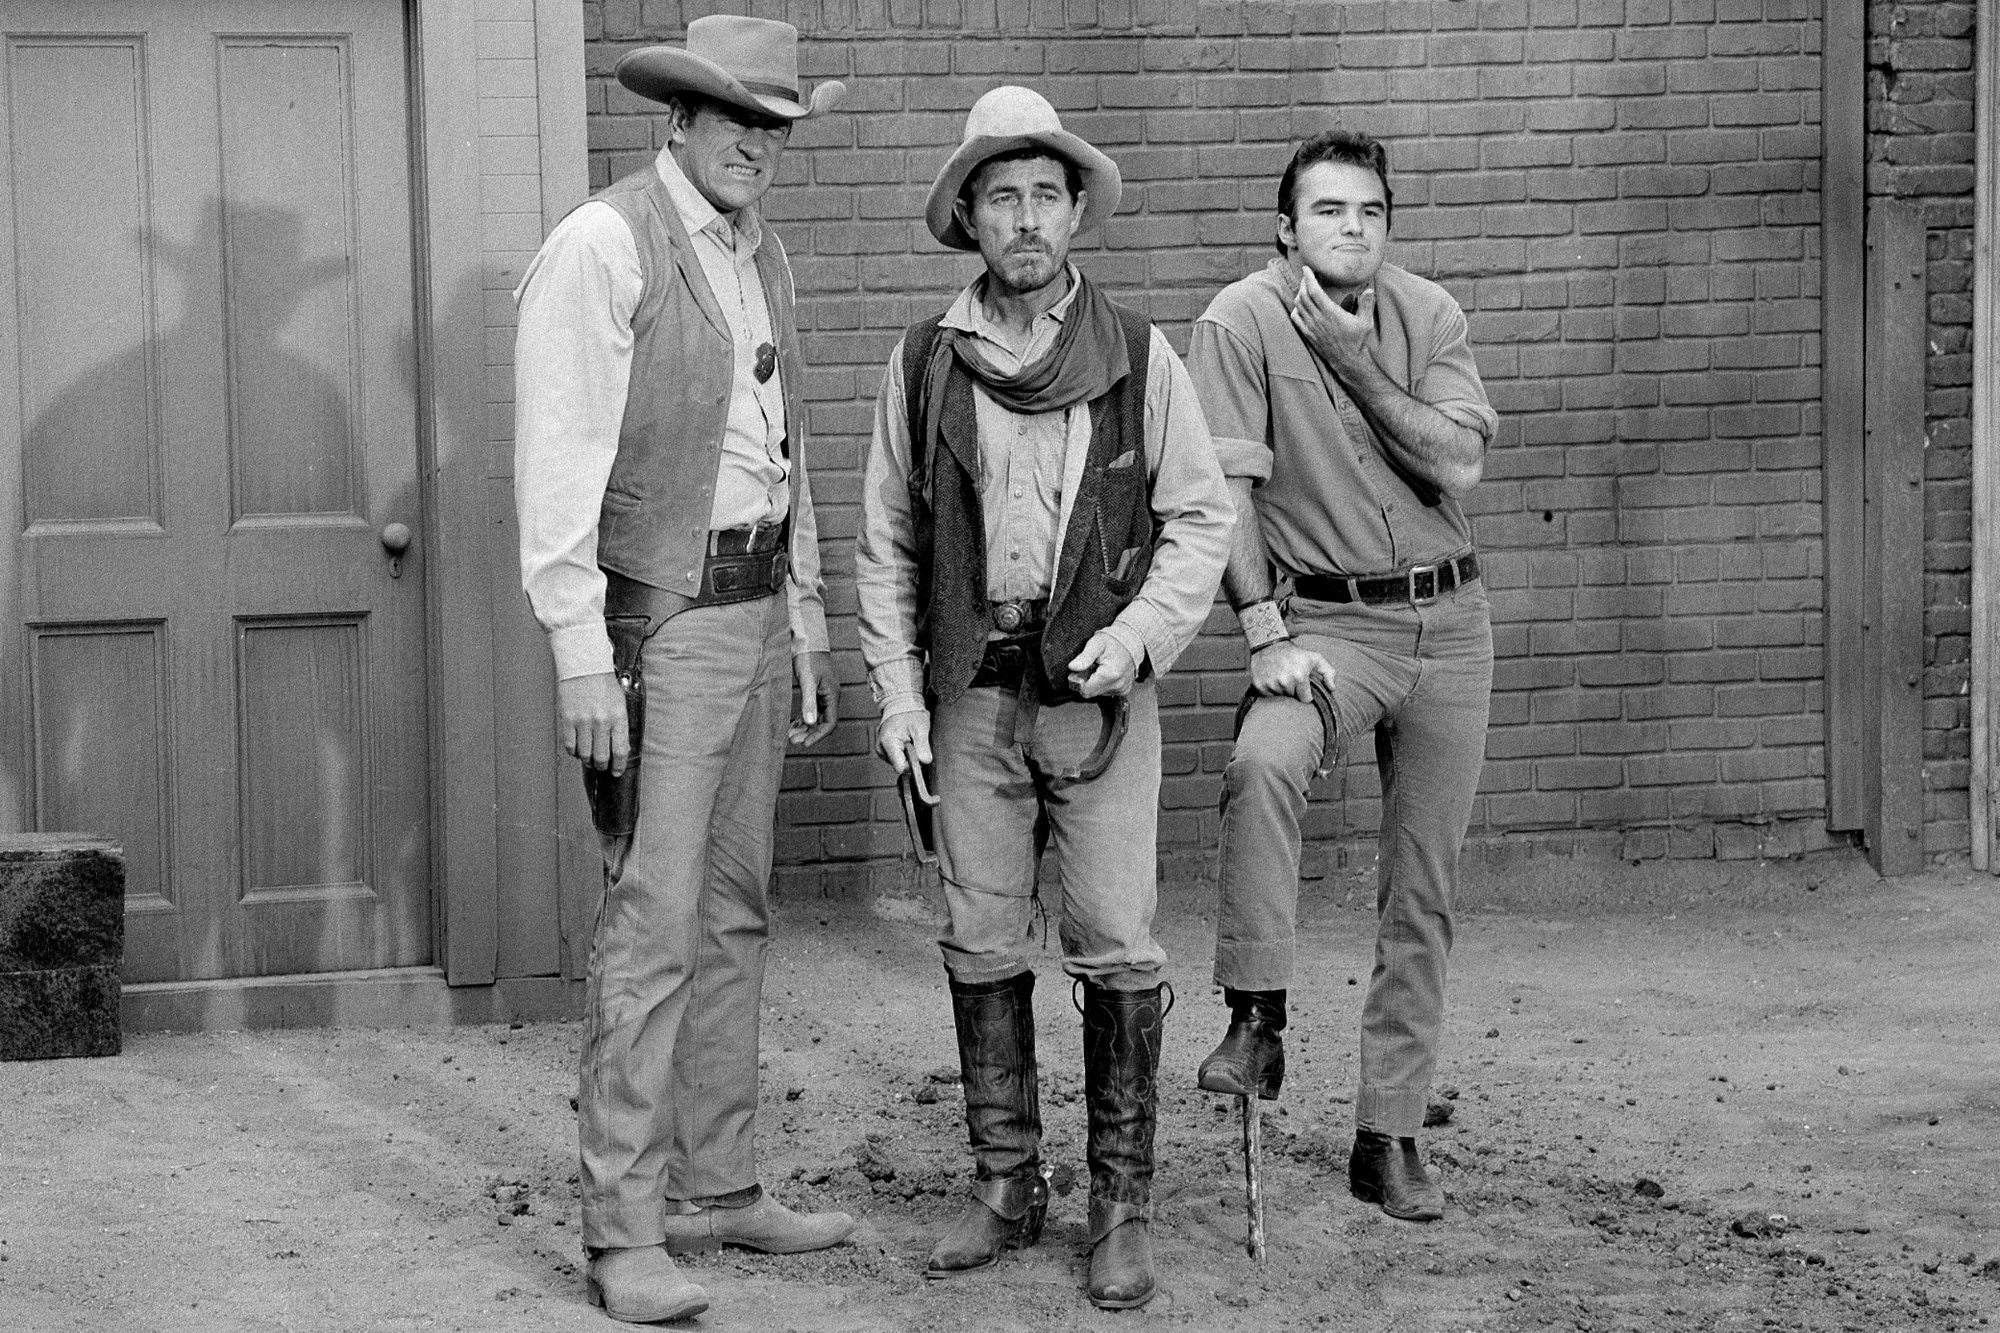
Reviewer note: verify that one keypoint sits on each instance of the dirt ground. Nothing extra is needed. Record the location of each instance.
(1684, 1096)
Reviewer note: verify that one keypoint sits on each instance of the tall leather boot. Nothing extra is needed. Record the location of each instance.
(996, 1059)
(1121, 1063)
(1251, 1057)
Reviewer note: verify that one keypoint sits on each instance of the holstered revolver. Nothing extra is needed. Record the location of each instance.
(614, 801)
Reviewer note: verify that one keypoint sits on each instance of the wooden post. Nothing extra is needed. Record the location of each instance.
(1843, 325)
(1893, 568)
(1985, 781)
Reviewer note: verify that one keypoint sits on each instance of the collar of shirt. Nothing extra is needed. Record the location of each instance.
(968, 315)
(698, 215)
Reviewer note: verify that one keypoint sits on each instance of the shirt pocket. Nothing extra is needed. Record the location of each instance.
(1124, 523)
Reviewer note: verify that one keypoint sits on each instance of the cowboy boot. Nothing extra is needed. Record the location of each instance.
(1121, 1062)
(1003, 1119)
(1386, 1169)
(1252, 1054)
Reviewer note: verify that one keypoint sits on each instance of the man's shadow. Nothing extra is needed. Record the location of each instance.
(247, 310)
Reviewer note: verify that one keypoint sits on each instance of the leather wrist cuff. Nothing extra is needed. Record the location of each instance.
(1262, 624)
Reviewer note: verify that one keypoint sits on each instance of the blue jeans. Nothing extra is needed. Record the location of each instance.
(1419, 677)
(997, 810)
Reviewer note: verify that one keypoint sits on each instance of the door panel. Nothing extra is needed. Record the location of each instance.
(78, 112)
(286, 106)
(205, 225)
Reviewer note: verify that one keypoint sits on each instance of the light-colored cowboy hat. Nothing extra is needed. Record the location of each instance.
(747, 62)
(999, 122)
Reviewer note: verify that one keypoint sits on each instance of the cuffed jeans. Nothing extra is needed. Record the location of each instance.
(667, 1096)
(1419, 677)
(995, 752)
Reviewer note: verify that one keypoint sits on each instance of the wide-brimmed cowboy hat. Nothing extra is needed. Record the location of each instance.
(746, 62)
(999, 122)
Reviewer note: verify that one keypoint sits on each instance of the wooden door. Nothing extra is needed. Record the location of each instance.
(207, 421)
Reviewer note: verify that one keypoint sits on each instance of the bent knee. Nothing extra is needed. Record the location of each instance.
(1280, 745)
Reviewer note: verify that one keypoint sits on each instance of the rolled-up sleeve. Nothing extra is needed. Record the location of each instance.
(1191, 502)
(1450, 382)
(885, 557)
(1228, 374)
(572, 366)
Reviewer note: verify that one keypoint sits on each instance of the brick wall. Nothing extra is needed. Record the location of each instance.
(1623, 196)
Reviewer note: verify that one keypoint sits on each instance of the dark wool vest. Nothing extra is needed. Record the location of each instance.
(1106, 551)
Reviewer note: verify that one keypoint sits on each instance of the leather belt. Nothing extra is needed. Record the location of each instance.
(743, 564)
(1419, 585)
(1009, 663)
(1022, 615)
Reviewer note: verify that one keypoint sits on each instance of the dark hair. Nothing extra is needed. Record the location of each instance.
(1072, 174)
(1350, 147)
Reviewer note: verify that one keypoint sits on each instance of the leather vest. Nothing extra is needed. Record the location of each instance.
(1107, 548)
(654, 523)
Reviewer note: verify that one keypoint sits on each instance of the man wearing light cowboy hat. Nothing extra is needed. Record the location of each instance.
(1043, 528)
(669, 549)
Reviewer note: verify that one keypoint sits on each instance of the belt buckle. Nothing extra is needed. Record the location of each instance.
(1423, 599)
(1008, 616)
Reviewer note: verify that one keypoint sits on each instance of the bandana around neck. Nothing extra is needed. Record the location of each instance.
(1087, 357)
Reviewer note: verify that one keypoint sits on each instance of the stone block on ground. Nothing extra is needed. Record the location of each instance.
(62, 940)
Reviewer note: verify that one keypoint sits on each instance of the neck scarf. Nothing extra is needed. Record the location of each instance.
(1086, 359)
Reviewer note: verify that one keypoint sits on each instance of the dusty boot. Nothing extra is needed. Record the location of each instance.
(1003, 1118)
(1121, 1063)
(1252, 1054)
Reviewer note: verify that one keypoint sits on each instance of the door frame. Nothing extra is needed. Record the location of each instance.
(455, 455)
(1984, 786)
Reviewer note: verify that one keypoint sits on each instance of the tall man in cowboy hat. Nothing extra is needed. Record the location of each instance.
(661, 484)
(1350, 418)
(1043, 528)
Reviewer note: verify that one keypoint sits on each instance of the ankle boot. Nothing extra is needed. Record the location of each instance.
(996, 1059)
(1121, 1063)
(1252, 1054)
(1387, 1170)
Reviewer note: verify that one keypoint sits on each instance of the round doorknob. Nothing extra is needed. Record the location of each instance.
(396, 538)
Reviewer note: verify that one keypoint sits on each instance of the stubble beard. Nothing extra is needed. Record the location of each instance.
(1034, 277)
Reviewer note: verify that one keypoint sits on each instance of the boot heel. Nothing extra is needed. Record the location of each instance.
(594, 1292)
(1273, 1079)
(1030, 1230)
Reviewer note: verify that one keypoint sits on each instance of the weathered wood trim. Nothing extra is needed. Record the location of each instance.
(1893, 567)
(1843, 319)
(565, 184)
(388, 997)
(445, 112)
(1985, 447)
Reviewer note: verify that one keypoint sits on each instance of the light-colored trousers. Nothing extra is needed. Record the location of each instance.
(1420, 678)
(667, 1101)
(997, 810)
